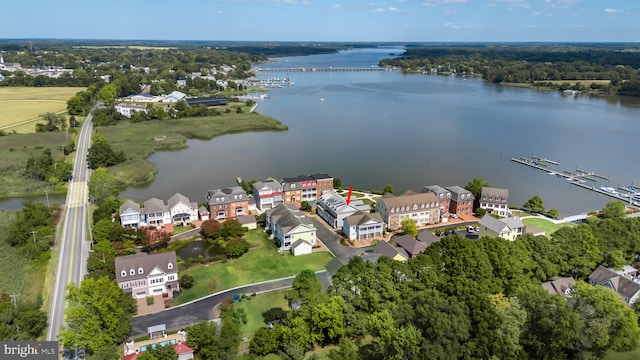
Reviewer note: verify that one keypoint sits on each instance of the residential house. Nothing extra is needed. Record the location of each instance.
(248, 221)
(145, 274)
(333, 208)
(268, 193)
(411, 246)
(130, 215)
(128, 110)
(324, 183)
(182, 81)
(624, 285)
(227, 203)
(444, 197)
(301, 247)
(393, 252)
(508, 228)
(155, 213)
(423, 208)
(1, 77)
(363, 225)
(461, 201)
(287, 224)
(495, 201)
(427, 238)
(184, 352)
(203, 212)
(298, 189)
(560, 286)
(182, 210)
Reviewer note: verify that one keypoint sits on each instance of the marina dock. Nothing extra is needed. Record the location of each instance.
(578, 178)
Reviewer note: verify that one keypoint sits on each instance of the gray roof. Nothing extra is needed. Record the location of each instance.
(624, 286)
(337, 203)
(129, 205)
(493, 224)
(558, 285)
(226, 195)
(495, 195)
(270, 183)
(460, 194)
(202, 210)
(153, 205)
(360, 217)
(410, 244)
(513, 222)
(404, 204)
(177, 197)
(288, 217)
(146, 262)
(437, 189)
(428, 238)
(389, 250)
(321, 176)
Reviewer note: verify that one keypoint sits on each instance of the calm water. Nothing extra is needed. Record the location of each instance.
(374, 128)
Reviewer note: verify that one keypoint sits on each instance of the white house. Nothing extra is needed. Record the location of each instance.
(495, 201)
(622, 284)
(509, 228)
(129, 110)
(182, 210)
(155, 213)
(268, 193)
(130, 215)
(145, 274)
(362, 225)
(333, 208)
(287, 225)
(175, 96)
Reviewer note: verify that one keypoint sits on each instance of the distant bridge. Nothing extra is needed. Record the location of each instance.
(324, 69)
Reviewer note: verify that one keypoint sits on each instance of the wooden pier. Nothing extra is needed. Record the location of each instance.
(324, 69)
(575, 178)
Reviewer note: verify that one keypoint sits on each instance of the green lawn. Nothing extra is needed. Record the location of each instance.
(23, 277)
(261, 263)
(254, 307)
(546, 225)
(628, 355)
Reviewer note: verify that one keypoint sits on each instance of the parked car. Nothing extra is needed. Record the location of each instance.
(470, 229)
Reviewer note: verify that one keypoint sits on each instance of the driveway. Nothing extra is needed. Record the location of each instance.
(182, 316)
(331, 240)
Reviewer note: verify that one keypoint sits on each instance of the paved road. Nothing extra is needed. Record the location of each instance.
(331, 240)
(73, 248)
(182, 316)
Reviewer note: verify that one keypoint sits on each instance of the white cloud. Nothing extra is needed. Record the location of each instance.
(451, 25)
(393, 9)
(611, 11)
(337, 7)
(378, 10)
(454, 1)
(428, 4)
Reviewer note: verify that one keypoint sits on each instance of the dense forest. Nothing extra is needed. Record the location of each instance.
(540, 65)
(464, 299)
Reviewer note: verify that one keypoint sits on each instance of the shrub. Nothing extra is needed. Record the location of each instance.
(186, 281)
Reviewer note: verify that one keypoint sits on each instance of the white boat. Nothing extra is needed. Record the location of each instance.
(552, 173)
(608, 189)
(570, 92)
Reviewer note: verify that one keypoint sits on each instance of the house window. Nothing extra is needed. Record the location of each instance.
(170, 266)
(123, 273)
(441, 196)
(170, 278)
(415, 206)
(140, 271)
(132, 272)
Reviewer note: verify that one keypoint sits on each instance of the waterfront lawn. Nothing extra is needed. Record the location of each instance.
(15, 151)
(23, 277)
(262, 262)
(548, 226)
(139, 140)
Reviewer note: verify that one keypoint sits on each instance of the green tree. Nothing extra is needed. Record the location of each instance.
(347, 351)
(203, 339)
(409, 227)
(101, 154)
(108, 94)
(53, 122)
(159, 352)
(388, 189)
(554, 213)
(304, 206)
(266, 341)
(337, 183)
(235, 247)
(76, 105)
(106, 209)
(231, 229)
(475, 187)
(613, 210)
(186, 281)
(535, 204)
(306, 288)
(102, 185)
(98, 314)
(327, 321)
(211, 229)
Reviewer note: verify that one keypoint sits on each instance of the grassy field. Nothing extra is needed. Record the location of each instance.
(254, 307)
(23, 277)
(546, 225)
(139, 140)
(261, 263)
(15, 150)
(21, 106)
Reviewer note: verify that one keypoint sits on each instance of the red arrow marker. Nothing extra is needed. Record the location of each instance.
(349, 196)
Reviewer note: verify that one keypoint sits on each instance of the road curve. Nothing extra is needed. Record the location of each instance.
(73, 248)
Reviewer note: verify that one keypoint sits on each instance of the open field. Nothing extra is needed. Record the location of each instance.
(139, 140)
(546, 225)
(23, 277)
(262, 262)
(254, 307)
(21, 106)
(15, 150)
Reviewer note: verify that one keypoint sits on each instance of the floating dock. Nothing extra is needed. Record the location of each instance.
(576, 178)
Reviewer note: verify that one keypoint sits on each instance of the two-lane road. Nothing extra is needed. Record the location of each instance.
(73, 248)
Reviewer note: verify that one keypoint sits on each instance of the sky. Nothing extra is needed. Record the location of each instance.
(326, 20)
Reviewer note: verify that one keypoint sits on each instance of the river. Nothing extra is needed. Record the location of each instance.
(375, 128)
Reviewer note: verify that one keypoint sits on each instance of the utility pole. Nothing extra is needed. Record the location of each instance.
(13, 299)
(34, 236)
(46, 193)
